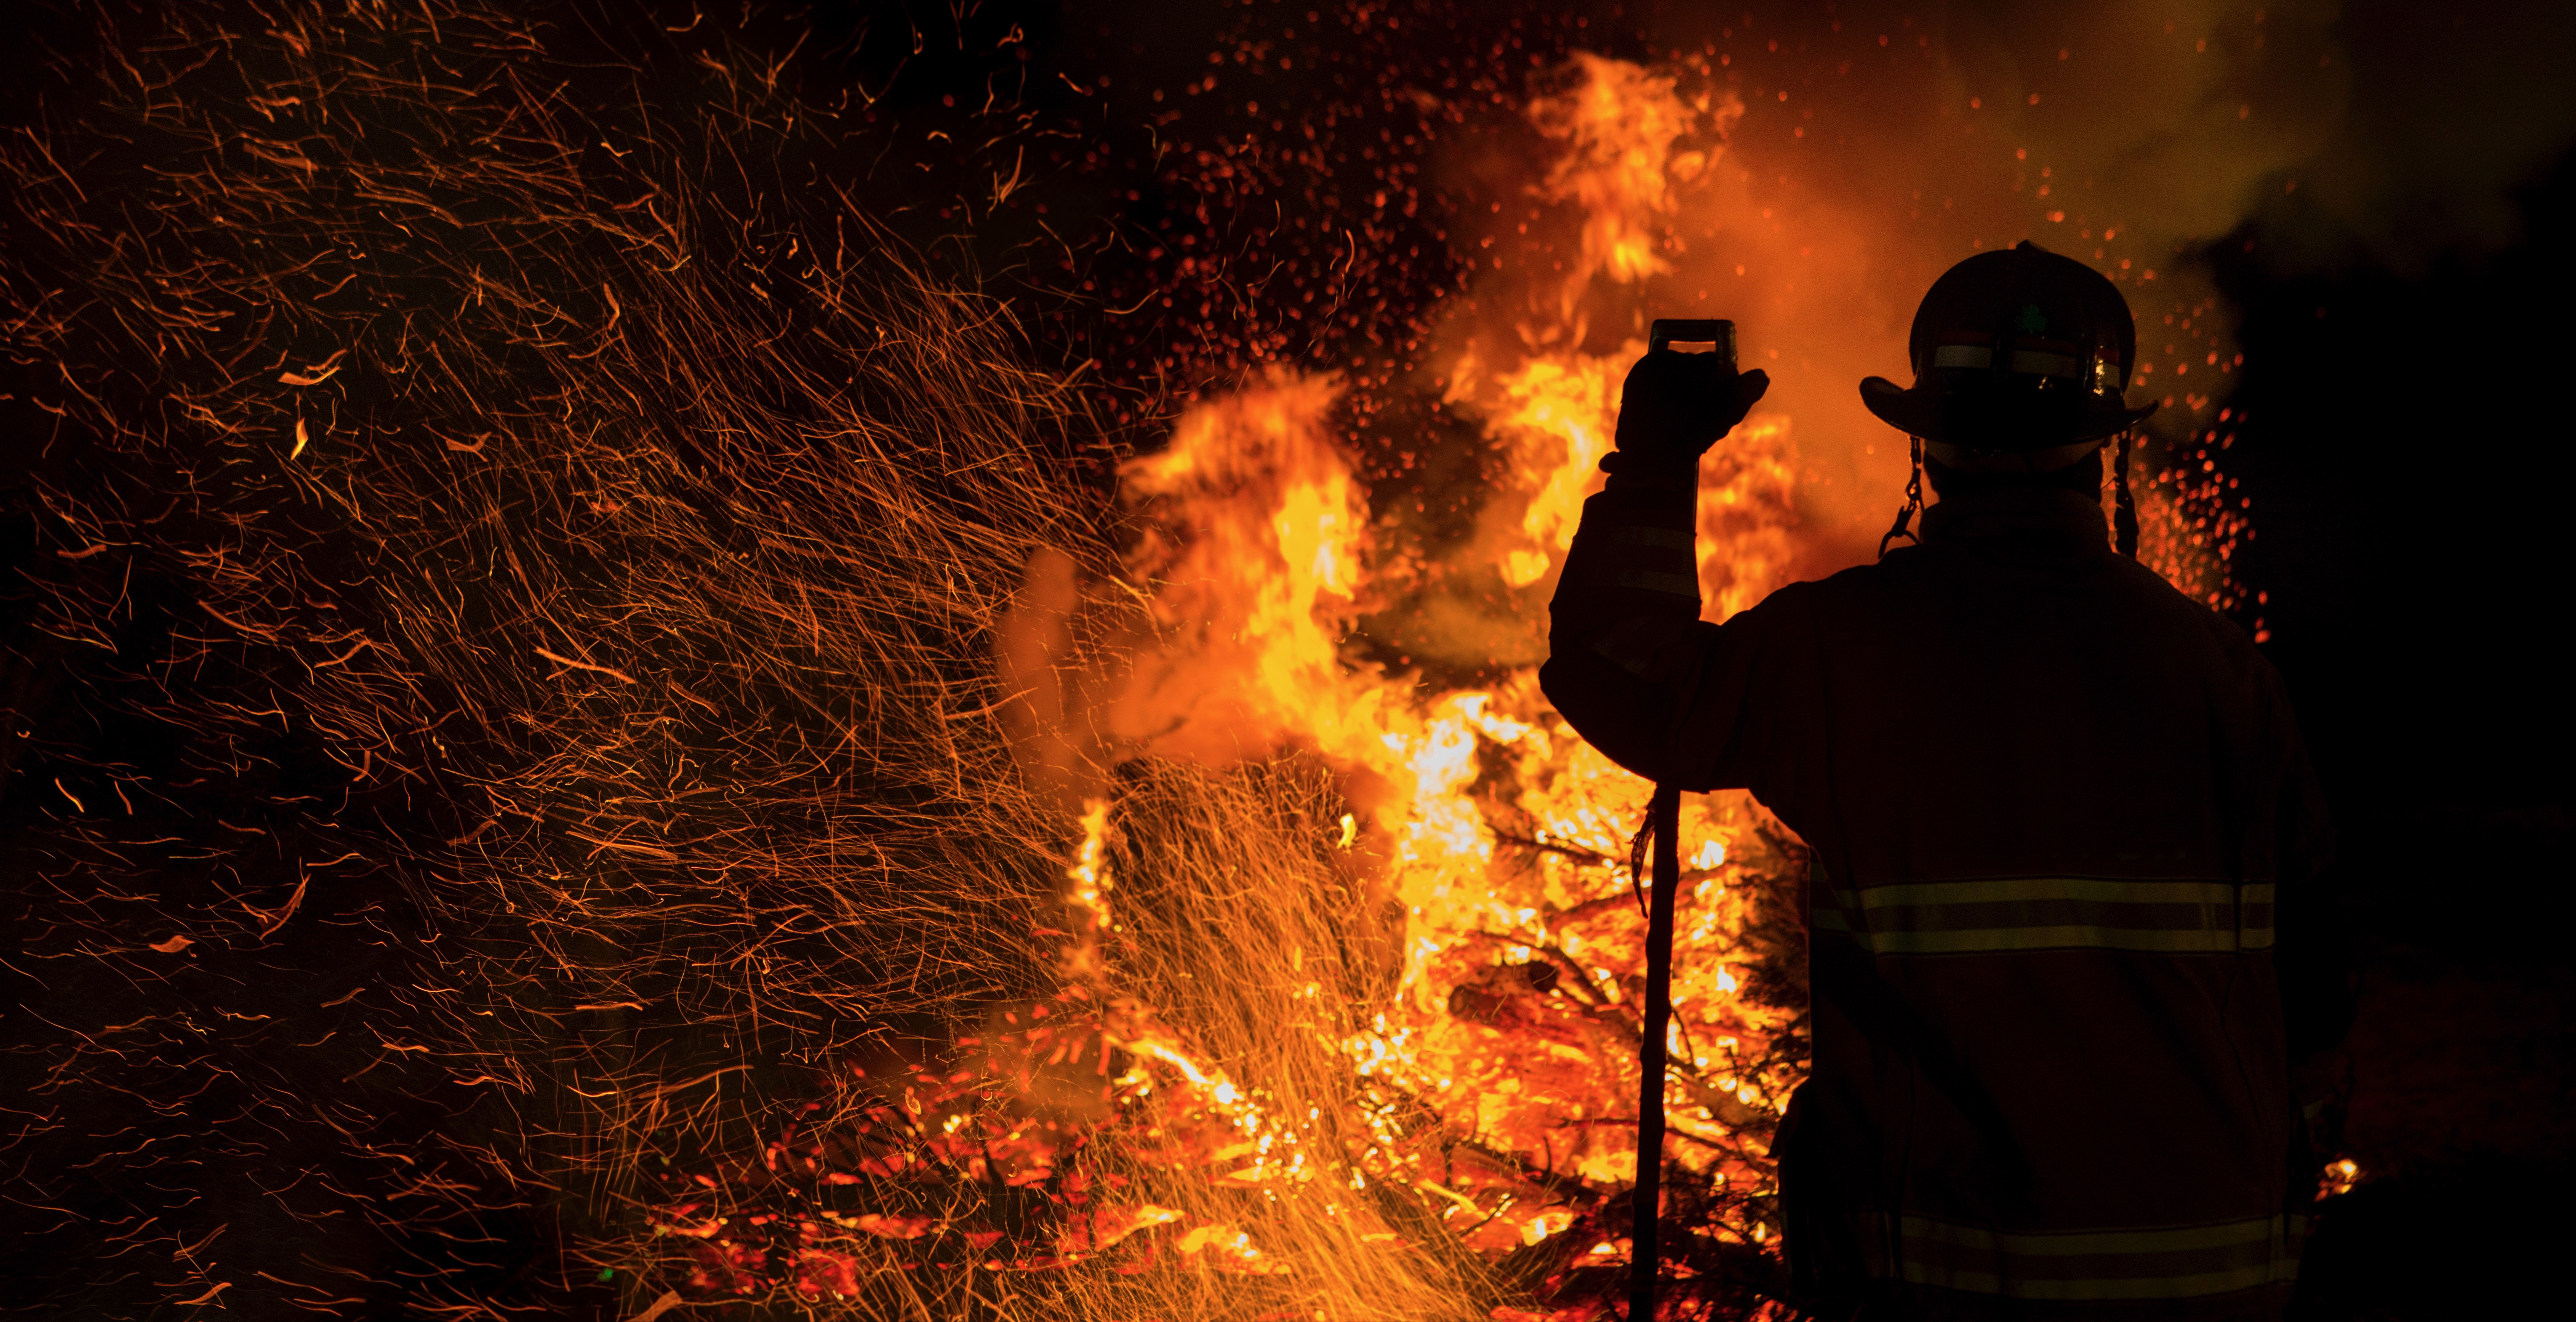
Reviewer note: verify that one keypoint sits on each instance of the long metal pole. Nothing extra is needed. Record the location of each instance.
(1663, 821)
(1663, 818)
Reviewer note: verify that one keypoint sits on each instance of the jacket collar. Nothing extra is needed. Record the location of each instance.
(2062, 519)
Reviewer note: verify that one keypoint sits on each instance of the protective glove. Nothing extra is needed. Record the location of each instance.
(1675, 406)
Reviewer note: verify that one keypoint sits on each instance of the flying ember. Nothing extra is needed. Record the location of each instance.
(891, 783)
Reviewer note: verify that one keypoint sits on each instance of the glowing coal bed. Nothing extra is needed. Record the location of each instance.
(713, 660)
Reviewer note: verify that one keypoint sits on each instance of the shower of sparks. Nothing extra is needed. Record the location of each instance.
(598, 726)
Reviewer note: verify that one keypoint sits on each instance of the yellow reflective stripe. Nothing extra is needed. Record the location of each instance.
(2174, 1239)
(2174, 1263)
(2043, 913)
(1678, 585)
(2149, 1287)
(1675, 539)
(2055, 888)
(2072, 936)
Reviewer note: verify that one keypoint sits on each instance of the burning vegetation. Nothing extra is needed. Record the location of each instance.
(600, 720)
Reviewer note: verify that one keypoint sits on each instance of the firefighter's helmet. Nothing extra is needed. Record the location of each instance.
(2016, 350)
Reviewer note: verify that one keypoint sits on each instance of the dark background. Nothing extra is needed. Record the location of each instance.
(2407, 451)
(2407, 447)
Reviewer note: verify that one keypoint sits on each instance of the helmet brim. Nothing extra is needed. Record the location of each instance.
(1938, 417)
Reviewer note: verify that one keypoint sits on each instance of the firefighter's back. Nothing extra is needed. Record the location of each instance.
(2055, 807)
(2046, 795)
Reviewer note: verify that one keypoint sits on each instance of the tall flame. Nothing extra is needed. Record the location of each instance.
(1621, 169)
(1497, 830)
(1461, 1063)
(1253, 562)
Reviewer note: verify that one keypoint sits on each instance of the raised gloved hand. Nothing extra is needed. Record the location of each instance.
(1676, 405)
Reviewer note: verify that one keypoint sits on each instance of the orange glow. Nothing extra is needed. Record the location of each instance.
(1499, 832)
(1486, 1086)
(875, 797)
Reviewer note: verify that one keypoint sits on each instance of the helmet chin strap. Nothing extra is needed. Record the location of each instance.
(2124, 508)
(1904, 526)
(2124, 511)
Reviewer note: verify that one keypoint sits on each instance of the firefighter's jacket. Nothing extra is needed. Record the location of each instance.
(2052, 803)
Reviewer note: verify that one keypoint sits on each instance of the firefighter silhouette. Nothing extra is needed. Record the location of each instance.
(2066, 840)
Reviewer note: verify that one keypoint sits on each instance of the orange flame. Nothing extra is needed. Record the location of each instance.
(1497, 829)
(1493, 830)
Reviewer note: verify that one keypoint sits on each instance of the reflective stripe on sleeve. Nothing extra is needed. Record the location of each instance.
(1677, 585)
(1638, 534)
(2178, 1262)
(1640, 556)
(2054, 913)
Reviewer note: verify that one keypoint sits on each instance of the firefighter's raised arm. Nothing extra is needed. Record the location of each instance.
(1622, 625)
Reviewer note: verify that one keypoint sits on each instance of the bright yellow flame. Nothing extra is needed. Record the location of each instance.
(1619, 168)
(1499, 835)
(1254, 571)
(1089, 895)
(1558, 414)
